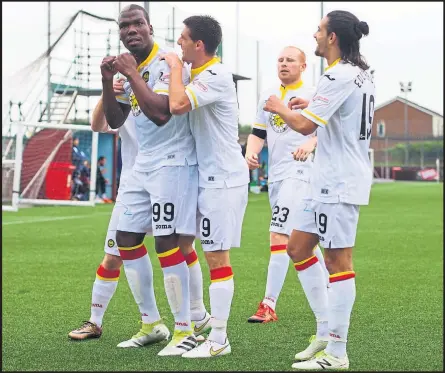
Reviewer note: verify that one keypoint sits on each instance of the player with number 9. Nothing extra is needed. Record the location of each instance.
(341, 110)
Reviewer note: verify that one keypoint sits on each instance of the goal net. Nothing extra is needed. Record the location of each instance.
(48, 164)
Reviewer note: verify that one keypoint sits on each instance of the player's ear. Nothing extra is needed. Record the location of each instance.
(303, 67)
(151, 29)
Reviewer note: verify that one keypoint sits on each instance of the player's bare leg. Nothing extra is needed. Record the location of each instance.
(198, 313)
(139, 272)
(341, 297)
(312, 279)
(176, 282)
(221, 294)
(104, 287)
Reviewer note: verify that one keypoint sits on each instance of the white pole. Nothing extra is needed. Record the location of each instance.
(237, 37)
(438, 169)
(94, 146)
(258, 78)
(18, 165)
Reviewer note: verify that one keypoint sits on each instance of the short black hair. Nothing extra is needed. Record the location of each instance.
(101, 158)
(207, 29)
(349, 31)
(136, 7)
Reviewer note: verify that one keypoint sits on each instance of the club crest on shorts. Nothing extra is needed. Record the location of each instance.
(111, 243)
(277, 123)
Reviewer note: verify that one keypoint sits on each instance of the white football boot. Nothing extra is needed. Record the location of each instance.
(315, 346)
(201, 327)
(181, 342)
(209, 349)
(149, 333)
(322, 361)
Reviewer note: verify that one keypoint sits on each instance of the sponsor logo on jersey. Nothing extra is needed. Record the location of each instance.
(163, 226)
(134, 105)
(110, 243)
(211, 72)
(329, 77)
(201, 86)
(146, 76)
(211, 178)
(324, 191)
(277, 123)
(321, 99)
(207, 242)
(171, 156)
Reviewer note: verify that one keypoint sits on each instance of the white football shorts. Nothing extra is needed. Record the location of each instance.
(285, 197)
(163, 201)
(334, 223)
(220, 216)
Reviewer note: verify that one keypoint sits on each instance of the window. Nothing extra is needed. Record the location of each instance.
(437, 126)
(381, 129)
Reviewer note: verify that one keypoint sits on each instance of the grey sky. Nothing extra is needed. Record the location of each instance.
(405, 41)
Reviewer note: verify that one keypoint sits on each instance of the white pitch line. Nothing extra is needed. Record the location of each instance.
(53, 219)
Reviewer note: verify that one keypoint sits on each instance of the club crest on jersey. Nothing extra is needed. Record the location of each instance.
(134, 105)
(145, 76)
(277, 123)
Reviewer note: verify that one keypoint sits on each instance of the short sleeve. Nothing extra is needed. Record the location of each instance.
(261, 116)
(331, 92)
(206, 88)
(124, 98)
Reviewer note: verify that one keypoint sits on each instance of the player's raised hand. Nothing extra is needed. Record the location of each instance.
(172, 59)
(125, 63)
(118, 86)
(107, 69)
(303, 151)
(298, 103)
(273, 105)
(252, 161)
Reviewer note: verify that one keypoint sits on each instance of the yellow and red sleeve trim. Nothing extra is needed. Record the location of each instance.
(106, 274)
(132, 253)
(221, 274)
(191, 259)
(306, 263)
(341, 276)
(171, 258)
(275, 249)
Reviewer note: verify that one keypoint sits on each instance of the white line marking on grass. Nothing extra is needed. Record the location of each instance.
(42, 220)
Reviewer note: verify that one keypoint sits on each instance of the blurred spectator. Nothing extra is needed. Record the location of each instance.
(81, 182)
(77, 155)
(101, 182)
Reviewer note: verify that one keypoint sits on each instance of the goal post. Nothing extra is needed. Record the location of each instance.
(40, 166)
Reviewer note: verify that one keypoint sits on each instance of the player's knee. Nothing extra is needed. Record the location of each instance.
(217, 259)
(129, 239)
(338, 260)
(186, 244)
(166, 243)
(278, 238)
(111, 262)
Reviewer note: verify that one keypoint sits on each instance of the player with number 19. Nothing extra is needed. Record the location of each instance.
(341, 110)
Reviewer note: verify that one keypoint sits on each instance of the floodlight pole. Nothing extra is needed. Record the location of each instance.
(406, 89)
(48, 104)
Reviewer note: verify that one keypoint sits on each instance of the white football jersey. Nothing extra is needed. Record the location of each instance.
(171, 144)
(129, 146)
(343, 108)
(214, 124)
(281, 139)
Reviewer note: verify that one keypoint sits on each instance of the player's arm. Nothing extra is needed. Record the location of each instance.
(155, 106)
(294, 120)
(255, 141)
(303, 151)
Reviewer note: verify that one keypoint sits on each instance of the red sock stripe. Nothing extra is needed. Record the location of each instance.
(221, 274)
(306, 263)
(132, 254)
(341, 276)
(191, 258)
(106, 273)
(171, 258)
(275, 248)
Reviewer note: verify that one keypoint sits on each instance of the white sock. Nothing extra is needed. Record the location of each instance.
(320, 257)
(310, 273)
(139, 272)
(221, 294)
(276, 274)
(104, 288)
(176, 282)
(341, 294)
(197, 308)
